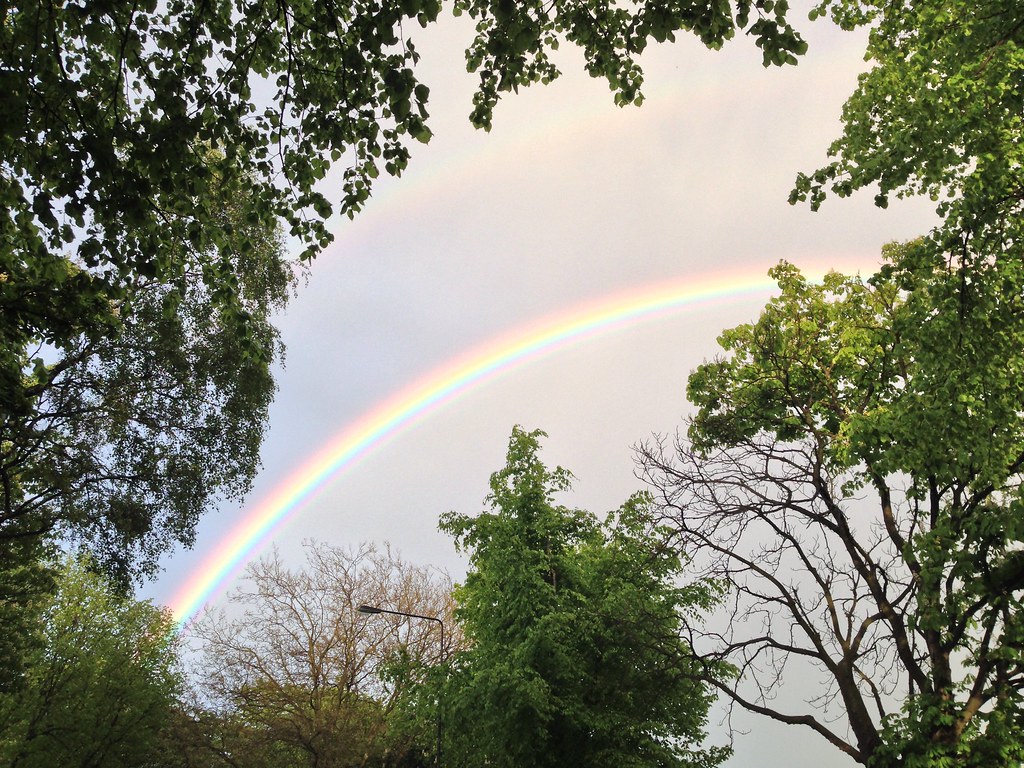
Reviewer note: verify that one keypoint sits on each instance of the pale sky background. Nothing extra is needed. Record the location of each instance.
(567, 200)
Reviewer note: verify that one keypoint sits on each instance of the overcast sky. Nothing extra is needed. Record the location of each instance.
(567, 200)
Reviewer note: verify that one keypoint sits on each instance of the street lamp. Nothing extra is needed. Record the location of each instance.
(371, 610)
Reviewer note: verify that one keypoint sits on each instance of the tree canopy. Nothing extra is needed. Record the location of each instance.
(939, 114)
(99, 684)
(853, 474)
(120, 440)
(574, 655)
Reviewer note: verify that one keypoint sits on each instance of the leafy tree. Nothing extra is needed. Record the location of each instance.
(574, 655)
(121, 439)
(26, 580)
(300, 675)
(938, 429)
(195, 737)
(939, 114)
(853, 475)
(99, 684)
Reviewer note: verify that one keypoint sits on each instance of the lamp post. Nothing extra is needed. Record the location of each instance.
(372, 609)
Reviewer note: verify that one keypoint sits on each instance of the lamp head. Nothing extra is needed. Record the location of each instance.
(369, 609)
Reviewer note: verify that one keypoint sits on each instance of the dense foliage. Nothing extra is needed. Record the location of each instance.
(120, 439)
(939, 113)
(100, 683)
(26, 579)
(853, 473)
(574, 655)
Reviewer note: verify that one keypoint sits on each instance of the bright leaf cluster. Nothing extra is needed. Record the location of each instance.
(575, 654)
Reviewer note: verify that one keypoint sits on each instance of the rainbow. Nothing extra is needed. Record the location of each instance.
(434, 391)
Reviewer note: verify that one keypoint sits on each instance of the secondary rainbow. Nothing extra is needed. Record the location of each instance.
(437, 389)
